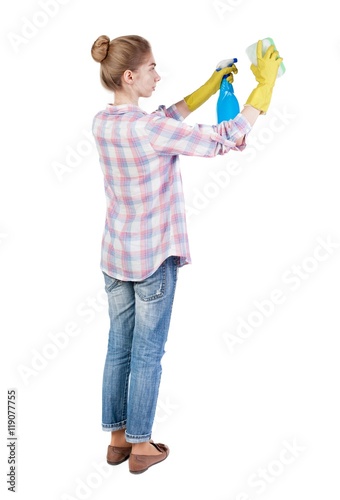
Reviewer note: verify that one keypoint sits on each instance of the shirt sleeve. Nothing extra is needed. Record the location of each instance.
(171, 112)
(168, 135)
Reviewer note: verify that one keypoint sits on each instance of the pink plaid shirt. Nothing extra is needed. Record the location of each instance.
(139, 156)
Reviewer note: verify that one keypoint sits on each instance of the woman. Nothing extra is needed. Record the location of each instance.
(145, 237)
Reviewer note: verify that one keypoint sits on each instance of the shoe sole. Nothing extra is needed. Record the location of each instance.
(144, 470)
(118, 463)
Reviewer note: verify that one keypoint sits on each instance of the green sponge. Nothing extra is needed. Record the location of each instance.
(266, 42)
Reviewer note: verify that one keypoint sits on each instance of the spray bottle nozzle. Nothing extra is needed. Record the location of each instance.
(225, 63)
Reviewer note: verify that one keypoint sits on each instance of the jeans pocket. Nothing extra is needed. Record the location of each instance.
(110, 283)
(153, 287)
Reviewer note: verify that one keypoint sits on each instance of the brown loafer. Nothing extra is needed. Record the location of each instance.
(117, 455)
(141, 463)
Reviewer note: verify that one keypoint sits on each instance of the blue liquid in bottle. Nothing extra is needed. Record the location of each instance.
(227, 103)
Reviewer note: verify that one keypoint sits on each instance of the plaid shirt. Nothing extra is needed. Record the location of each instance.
(138, 152)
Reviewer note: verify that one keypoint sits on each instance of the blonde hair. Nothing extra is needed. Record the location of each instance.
(118, 55)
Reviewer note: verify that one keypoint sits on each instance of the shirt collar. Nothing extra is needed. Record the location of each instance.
(124, 108)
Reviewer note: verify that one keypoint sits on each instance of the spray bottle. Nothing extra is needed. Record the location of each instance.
(227, 103)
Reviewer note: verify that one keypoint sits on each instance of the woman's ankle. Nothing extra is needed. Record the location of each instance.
(118, 439)
(144, 448)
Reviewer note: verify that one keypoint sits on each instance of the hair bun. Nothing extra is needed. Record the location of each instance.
(100, 48)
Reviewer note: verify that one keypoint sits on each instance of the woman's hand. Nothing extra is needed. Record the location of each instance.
(201, 95)
(265, 73)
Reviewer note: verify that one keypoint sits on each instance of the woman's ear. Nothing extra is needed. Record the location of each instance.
(128, 77)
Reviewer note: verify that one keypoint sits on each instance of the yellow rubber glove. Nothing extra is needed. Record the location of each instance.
(265, 73)
(197, 98)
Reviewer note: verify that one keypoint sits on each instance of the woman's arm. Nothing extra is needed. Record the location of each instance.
(259, 100)
(250, 113)
(203, 93)
(183, 108)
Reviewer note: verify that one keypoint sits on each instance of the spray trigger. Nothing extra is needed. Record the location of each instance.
(225, 63)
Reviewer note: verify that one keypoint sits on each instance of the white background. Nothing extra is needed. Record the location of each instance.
(225, 413)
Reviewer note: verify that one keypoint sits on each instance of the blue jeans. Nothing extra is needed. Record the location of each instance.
(139, 322)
